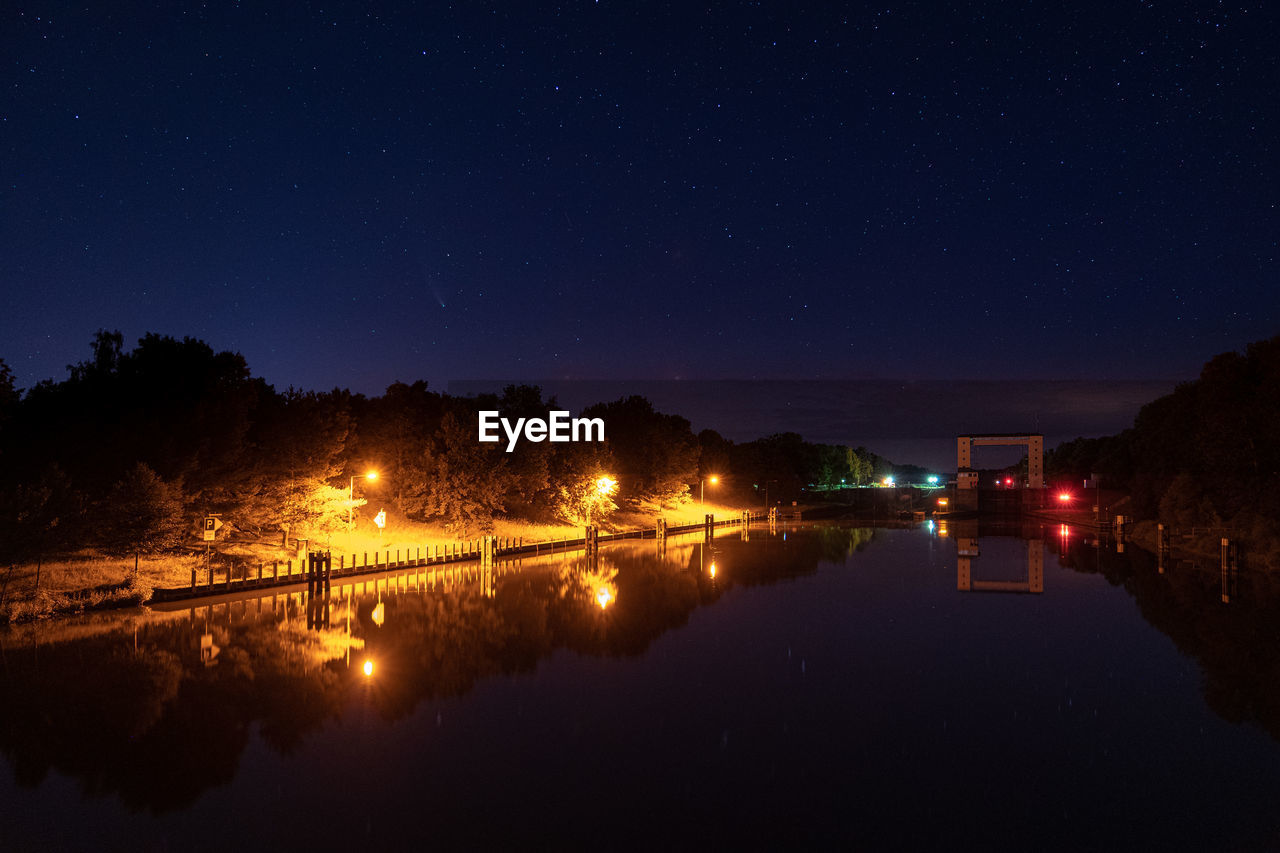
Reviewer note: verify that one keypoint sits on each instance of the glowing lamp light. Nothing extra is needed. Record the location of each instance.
(713, 570)
(933, 479)
(1064, 497)
(372, 475)
(606, 485)
(368, 668)
(713, 479)
(888, 481)
(604, 597)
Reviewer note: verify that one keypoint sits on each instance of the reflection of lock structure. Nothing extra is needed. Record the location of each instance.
(967, 550)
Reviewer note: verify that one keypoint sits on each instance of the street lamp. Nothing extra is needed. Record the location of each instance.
(605, 486)
(351, 496)
(702, 488)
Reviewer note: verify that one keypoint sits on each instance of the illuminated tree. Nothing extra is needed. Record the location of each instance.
(656, 455)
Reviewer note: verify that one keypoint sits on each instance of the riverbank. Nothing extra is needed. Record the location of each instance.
(86, 580)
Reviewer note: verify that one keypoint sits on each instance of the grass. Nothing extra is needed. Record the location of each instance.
(85, 581)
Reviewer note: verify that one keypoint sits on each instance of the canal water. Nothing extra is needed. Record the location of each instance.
(802, 686)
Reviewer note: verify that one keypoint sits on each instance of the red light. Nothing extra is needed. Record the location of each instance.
(1064, 497)
(1008, 481)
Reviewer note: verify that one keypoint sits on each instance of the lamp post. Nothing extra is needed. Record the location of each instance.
(702, 488)
(351, 496)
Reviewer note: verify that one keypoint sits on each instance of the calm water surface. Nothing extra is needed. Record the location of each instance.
(811, 686)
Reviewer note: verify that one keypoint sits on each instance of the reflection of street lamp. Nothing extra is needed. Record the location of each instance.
(702, 488)
(351, 495)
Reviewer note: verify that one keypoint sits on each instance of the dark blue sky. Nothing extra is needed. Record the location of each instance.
(351, 194)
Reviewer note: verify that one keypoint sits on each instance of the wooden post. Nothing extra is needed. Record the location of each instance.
(193, 579)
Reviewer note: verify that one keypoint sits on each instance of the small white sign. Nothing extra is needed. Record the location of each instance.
(380, 519)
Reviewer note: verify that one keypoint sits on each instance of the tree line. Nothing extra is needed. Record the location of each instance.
(135, 446)
(1208, 454)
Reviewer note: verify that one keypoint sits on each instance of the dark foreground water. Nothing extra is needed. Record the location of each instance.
(807, 687)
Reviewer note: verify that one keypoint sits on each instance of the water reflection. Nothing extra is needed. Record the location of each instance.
(1029, 573)
(166, 706)
(155, 708)
(1220, 614)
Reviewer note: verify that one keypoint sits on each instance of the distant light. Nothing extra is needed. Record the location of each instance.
(606, 485)
(888, 481)
(368, 668)
(713, 479)
(933, 479)
(1065, 531)
(603, 597)
(928, 525)
(1064, 497)
(713, 565)
(942, 502)
(1008, 481)
(372, 475)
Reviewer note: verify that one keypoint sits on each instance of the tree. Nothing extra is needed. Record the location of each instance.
(471, 479)
(656, 454)
(142, 513)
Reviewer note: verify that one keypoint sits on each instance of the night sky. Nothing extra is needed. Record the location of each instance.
(351, 194)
